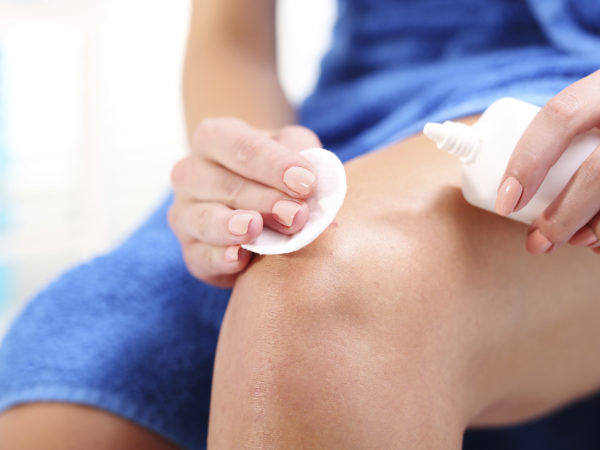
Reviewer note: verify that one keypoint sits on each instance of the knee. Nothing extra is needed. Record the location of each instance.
(422, 260)
(381, 311)
(317, 282)
(351, 323)
(368, 290)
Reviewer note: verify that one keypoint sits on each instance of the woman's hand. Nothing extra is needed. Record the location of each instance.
(236, 180)
(574, 215)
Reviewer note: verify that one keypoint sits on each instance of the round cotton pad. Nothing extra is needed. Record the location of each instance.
(323, 205)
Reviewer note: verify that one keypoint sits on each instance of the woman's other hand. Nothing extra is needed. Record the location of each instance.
(236, 180)
(574, 215)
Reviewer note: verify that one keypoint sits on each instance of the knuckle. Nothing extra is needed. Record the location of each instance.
(590, 171)
(245, 147)
(200, 220)
(197, 262)
(528, 166)
(232, 188)
(179, 172)
(554, 228)
(564, 107)
(231, 269)
(201, 131)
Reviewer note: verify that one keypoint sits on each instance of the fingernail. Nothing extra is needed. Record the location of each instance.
(238, 224)
(584, 237)
(508, 196)
(537, 243)
(285, 211)
(232, 253)
(299, 180)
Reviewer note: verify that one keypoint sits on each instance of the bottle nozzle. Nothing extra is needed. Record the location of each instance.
(434, 131)
(456, 138)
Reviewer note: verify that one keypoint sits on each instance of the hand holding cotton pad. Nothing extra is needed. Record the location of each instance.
(323, 205)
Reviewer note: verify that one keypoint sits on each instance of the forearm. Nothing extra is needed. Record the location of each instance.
(224, 81)
(231, 70)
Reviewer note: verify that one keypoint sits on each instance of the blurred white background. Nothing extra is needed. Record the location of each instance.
(91, 122)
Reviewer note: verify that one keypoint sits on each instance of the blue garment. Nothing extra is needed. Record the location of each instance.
(395, 64)
(132, 332)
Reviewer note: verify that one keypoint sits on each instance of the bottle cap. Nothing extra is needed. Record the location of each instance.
(456, 138)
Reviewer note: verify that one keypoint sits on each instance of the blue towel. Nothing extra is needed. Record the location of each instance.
(133, 333)
(396, 64)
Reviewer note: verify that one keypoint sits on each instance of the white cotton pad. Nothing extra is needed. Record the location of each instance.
(323, 205)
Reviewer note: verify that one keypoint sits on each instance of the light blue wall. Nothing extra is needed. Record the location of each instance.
(5, 279)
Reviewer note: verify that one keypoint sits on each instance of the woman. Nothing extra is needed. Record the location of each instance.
(411, 319)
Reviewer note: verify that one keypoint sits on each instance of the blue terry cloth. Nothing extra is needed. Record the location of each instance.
(131, 332)
(396, 64)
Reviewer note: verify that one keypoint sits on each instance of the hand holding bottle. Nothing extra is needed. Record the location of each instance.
(574, 215)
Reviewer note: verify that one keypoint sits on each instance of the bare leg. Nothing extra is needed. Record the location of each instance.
(414, 317)
(60, 426)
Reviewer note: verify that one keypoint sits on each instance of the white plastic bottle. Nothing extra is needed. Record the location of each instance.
(485, 149)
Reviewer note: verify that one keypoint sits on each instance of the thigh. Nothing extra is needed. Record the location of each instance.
(422, 271)
(57, 426)
(533, 321)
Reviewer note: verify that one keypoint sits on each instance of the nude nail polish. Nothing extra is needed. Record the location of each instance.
(299, 180)
(284, 211)
(508, 196)
(239, 223)
(232, 253)
(584, 237)
(485, 149)
(537, 243)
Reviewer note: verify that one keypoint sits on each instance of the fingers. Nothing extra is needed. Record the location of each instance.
(215, 224)
(576, 208)
(588, 235)
(255, 156)
(210, 235)
(595, 227)
(585, 237)
(205, 182)
(213, 264)
(573, 111)
(297, 138)
(237, 180)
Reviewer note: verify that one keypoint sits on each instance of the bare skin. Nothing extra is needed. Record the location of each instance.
(399, 327)
(57, 426)
(446, 322)
(410, 319)
(230, 70)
